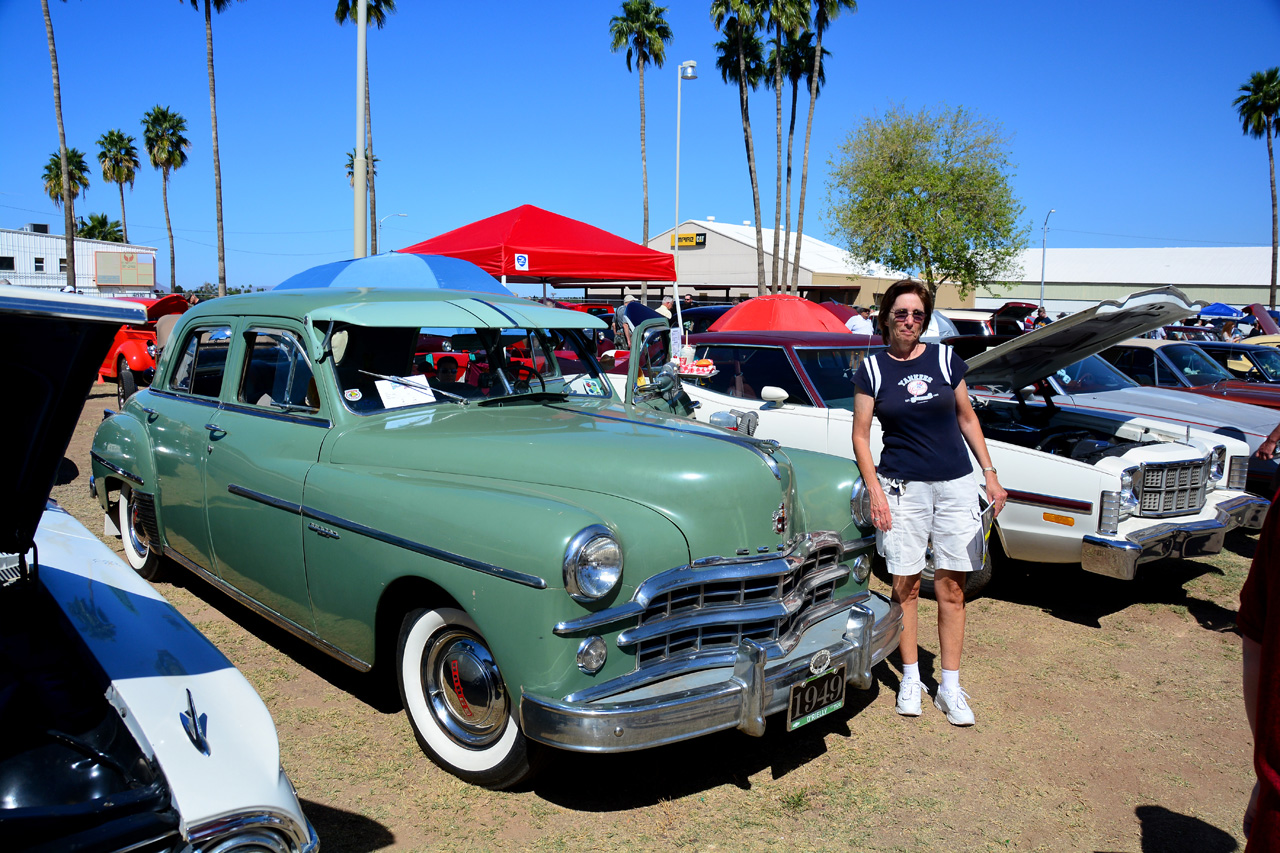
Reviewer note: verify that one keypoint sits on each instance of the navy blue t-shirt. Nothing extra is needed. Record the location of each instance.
(916, 405)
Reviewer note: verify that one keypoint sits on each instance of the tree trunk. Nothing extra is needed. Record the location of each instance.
(1275, 224)
(751, 162)
(164, 190)
(368, 138)
(644, 180)
(777, 194)
(217, 164)
(788, 280)
(69, 214)
(124, 223)
(808, 133)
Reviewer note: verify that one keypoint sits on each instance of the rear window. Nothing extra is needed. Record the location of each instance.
(202, 362)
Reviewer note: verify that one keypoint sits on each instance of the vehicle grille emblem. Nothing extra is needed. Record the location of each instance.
(820, 662)
(780, 518)
(195, 725)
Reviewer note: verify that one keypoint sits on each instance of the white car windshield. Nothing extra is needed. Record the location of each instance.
(1089, 376)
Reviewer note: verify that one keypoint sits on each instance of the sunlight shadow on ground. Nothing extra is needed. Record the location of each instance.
(1165, 831)
(345, 831)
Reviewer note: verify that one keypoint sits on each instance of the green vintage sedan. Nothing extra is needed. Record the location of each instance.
(445, 486)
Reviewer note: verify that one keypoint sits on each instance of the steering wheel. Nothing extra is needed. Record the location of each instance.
(523, 373)
(1081, 382)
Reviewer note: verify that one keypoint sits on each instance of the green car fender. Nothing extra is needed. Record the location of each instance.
(122, 455)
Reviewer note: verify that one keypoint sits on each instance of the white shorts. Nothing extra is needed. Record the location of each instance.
(943, 516)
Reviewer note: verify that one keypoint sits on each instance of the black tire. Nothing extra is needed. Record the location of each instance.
(138, 550)
(465, 723)
(126, 383)
(974, 582)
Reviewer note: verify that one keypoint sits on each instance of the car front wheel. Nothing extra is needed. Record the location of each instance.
(137, 544)
(457, 701)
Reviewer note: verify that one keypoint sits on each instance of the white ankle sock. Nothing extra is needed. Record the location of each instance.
(951, 679)
(911, 671)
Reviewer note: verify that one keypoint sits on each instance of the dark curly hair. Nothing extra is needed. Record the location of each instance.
(884, 320)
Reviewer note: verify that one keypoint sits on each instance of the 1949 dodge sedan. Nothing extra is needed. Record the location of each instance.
(446, 486)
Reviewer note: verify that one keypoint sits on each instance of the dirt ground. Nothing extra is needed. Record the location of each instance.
(1109, 719)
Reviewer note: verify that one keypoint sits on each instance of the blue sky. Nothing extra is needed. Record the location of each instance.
(1120, 115)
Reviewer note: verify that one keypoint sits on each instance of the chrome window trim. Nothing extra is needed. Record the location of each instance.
(269, 414)
(389, 538)
(132, 478)
(210, 402)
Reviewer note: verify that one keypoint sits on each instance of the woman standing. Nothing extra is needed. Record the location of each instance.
(923, 490)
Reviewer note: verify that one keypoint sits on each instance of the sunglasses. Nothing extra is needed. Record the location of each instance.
(901, 315)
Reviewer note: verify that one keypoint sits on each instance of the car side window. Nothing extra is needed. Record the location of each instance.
(202, 362)
(745, 371)
(276, 372)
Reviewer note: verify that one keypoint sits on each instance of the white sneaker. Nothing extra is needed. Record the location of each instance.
(909, 697)
(953, 703)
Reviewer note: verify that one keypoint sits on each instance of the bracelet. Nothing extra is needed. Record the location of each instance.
(992, 470)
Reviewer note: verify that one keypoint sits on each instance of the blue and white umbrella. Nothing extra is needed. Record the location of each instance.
(398, 270)
(1217, 309)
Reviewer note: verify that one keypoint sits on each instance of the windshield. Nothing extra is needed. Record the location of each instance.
(1089, 376)
(1268, 359)
(831, 372)
(1191, 362)
(390, 368)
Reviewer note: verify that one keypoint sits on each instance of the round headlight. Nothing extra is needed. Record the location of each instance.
(592, 564)
(591, 655)
(860, 504)
(861, 567)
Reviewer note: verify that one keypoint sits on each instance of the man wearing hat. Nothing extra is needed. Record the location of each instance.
(860, 323)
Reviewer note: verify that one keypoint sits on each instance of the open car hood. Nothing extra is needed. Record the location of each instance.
(52, 344)
(1031, 357)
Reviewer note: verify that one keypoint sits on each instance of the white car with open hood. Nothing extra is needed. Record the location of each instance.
(121, 726)
(1100, 489)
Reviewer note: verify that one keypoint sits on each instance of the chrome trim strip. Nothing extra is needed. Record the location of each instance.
(267, 613)
(1050, 501)
(748, 444)
(209, 402)
(132, 478)
(122, 315)
(287, 417)
(277, 503)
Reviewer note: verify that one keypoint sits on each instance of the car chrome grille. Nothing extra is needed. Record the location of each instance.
(1173, 489)
(719, 614)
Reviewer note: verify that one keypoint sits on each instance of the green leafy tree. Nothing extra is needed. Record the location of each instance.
(64, 177)
(376, 13)
(824, 12)
(741, 60)
(643, 30)
(209, 7)
(1256, 106)
(100, 226)
(163, 135)
(786, 18)
(119, 160)
(929, 193)
(371, 169)
(77, 173)
(797, 65)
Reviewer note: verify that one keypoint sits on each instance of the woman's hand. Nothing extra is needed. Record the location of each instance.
(996, 494)
(1267, 449)
(880, 515)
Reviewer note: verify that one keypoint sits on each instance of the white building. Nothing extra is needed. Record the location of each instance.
(32, 257)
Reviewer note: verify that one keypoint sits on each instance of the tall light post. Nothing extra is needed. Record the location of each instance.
(688, 71)
(384, 219)
(1044, 241)
(359, 166)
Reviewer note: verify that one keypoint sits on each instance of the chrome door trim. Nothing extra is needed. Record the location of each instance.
(132, 478)
(287, 417)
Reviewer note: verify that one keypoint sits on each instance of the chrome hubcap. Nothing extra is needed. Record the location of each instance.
(464, 689)
(137, 538)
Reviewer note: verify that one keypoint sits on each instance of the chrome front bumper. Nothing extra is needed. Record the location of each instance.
(741, 697)
(1120, 558)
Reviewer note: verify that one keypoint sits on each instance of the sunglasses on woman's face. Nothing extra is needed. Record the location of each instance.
(901, 315)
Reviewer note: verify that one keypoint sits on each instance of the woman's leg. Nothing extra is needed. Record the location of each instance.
(906, 592)
(949, 590)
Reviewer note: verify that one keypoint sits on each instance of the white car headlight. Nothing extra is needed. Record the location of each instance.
(1217, 466)
(1129, 491)
(592, 564)
(860, 504)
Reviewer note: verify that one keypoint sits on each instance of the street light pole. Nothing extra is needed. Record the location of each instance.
(359, 166)
(1044, 240)
(384, 219)
(688, 71)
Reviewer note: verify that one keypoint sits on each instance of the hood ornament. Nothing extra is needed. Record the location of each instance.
(196, 725)
(780, 518)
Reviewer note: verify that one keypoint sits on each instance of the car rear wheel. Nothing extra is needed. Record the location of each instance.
(456, 699)
(126, 383)
(137, 543)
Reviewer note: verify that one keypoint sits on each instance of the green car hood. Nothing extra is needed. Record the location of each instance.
(722, 494)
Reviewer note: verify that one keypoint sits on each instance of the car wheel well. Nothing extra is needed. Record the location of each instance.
(399, 598)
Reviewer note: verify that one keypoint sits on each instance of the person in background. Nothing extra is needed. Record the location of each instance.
(1042, 318)
(1259, 624)
(922, 487)
(860, 323)
(1229, 332)
(687, 302)
(667, 308)
(1028, 323)
(622, 335)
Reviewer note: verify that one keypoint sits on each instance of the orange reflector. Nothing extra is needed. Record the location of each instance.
(1060, 519)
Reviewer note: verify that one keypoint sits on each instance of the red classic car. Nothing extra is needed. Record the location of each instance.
(131, 361)
(1183, 366)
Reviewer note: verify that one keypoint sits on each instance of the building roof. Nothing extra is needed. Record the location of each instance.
(1179, 266)
(815, 255)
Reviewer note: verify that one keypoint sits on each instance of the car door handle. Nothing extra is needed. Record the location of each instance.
(151, 412)
(215, 428)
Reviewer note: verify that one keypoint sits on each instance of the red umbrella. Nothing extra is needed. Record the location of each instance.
(778, 312)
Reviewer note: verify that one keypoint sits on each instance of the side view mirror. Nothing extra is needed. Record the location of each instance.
(773, 395)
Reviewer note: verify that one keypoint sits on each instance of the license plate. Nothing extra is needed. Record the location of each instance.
(815, 697)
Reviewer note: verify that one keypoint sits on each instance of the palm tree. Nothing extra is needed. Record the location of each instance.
(741, 61)
(372, 168)
(68, 203)
(1257, 105)
(162, 134)
(77, 173)
(119, 160)
(211, 6)
(376, 12)
(825, 11)
(645, 32)
(99, 226)
(786, 18)
(797, 65)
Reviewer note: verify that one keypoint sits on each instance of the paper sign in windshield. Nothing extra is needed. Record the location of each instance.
(414, 392)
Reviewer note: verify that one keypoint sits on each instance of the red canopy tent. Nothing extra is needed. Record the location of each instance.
(529, 244)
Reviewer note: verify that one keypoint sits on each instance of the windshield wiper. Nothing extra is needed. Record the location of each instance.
(527, 396)
(414, 385)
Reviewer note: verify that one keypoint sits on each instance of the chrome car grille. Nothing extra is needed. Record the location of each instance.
(1176, 488)
(718, 614)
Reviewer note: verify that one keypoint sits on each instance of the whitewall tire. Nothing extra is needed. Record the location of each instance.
(138, 548)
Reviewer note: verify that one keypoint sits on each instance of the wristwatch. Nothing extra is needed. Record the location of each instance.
(992, 470)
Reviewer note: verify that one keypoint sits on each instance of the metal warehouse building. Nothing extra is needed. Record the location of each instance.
(32, 257)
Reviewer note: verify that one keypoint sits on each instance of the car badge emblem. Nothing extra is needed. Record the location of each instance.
(196, 725)
(780, 518)
(820, 662)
